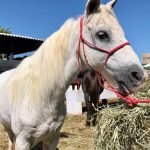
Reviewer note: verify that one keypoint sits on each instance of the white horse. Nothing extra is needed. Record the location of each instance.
(32, 99)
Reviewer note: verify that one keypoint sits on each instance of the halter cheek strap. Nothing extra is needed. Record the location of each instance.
(82, 41)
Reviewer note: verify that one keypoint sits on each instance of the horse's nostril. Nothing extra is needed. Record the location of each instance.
(136, 76)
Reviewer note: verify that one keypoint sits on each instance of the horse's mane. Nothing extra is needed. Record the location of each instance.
(44, 70)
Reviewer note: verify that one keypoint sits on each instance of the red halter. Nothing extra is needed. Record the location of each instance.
(129, 100)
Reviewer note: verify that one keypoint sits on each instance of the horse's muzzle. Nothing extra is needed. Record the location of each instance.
(131, 79)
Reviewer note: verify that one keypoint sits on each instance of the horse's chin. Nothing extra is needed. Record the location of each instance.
(121, 87)
(124, 89)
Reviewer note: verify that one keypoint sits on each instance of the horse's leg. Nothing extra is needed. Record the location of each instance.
(22, 143)
(11, 145)
(38, 146)
(89, 113)
(11, 139)
(95, 118)
(51, 144)
(88, 105)
(95, 108)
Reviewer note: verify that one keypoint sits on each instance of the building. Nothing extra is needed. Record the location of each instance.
(145, 58)
(11, 45)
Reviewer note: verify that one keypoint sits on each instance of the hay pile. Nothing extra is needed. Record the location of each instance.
(121, 128)
(124, 128)
(144, 93)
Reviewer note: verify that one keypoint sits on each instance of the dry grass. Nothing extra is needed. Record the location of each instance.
(76, 136)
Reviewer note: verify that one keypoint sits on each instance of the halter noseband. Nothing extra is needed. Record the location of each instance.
(129, 100)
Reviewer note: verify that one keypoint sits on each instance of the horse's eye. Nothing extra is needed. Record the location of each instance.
(102, 35)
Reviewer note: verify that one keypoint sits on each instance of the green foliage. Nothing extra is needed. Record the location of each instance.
(3, 30)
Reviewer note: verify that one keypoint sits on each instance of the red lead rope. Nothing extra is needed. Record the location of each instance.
(129, 100)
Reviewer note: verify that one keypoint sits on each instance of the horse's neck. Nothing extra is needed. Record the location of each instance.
(71, 64)
(58, 56)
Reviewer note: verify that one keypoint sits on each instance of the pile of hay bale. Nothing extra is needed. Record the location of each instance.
(124, 128)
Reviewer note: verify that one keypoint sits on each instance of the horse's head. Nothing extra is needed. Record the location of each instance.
(101, 30)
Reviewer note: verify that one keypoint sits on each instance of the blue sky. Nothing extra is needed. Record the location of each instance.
(40, 18)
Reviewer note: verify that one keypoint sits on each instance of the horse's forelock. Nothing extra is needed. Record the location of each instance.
(105, 15)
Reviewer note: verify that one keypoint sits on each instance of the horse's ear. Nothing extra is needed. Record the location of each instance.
(92, 6)
(111, 3)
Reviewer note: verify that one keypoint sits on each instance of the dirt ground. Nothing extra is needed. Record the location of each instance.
(3, 139)
(74, 135)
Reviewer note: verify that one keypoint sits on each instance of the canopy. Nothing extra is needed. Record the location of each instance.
(10, 43)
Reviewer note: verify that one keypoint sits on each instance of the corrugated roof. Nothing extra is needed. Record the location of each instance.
(10, 43)
(20, 36)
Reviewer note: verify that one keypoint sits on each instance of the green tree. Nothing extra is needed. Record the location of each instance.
(5, 30)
